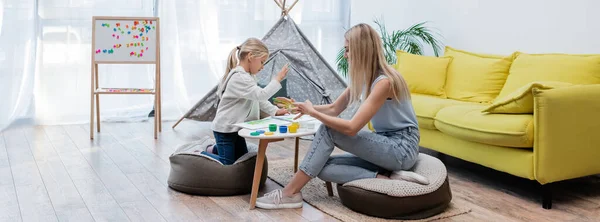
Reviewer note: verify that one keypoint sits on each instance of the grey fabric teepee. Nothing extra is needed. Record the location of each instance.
(309, 76)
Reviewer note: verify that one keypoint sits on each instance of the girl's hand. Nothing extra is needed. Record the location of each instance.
(281, 112)
(285, 99)
(283, 102)
(281, 75)
(305, 107)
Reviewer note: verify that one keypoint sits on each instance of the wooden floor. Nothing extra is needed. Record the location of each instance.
(56, 173)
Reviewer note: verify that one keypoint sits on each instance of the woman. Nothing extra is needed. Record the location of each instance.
(394, 146)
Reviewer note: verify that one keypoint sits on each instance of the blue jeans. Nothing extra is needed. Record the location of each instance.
(369, 154)
(229, 147)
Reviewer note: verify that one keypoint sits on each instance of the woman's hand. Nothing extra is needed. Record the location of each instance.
(304, 108)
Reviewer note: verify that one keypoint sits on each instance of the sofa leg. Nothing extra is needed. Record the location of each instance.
(547, 196)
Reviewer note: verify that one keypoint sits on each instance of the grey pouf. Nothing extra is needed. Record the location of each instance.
(396, 199)
(195, 173)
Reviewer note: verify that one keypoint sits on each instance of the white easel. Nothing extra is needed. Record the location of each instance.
(125, 40)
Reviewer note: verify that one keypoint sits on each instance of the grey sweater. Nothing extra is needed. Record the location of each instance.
(242, 100)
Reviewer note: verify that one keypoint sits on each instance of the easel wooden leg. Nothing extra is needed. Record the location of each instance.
(97, 97)
(92, 77)
(296, 154)
(155, 117)
(160, 111)
(260, 158)
(158, 78)
(92, 115)
(98, 111)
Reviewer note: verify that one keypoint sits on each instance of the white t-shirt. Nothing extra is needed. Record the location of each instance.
(242, 100)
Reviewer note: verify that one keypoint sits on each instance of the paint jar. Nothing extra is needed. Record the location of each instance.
(272, 127)
(283, 129)
(293, 128)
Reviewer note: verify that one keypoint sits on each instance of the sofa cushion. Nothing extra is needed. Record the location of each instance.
(427, 106)
(423, 74)
(475, 77)
(521, 100)
(571, 68)
(467, 122)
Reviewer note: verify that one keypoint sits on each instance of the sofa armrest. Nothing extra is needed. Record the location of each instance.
(567, 143)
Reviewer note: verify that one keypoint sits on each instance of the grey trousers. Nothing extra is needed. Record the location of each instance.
(369, 153)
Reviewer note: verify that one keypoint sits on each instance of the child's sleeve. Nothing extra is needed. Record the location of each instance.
(245, 87)
(267, 107)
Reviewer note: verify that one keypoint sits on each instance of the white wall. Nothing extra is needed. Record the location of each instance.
(495, 26)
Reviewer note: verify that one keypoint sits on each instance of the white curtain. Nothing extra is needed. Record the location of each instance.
(17, 58)
(45, 65)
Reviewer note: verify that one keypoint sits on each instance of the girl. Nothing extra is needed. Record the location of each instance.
(394, 146)
(241, 99)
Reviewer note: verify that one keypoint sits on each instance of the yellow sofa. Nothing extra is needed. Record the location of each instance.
(494, 110)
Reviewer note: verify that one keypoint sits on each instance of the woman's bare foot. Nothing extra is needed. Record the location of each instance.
(379, 176)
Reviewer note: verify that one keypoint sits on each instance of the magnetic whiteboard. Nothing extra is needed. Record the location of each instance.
(125, 40)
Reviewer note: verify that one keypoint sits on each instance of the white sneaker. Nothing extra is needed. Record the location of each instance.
(409, 176)
(276, 200)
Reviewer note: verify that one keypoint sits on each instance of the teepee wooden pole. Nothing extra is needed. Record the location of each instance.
(283, 11)
(278, 4)
(178, 121)
(290, 8)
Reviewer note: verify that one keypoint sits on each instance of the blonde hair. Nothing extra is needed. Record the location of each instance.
(367, 60)
(251, 47)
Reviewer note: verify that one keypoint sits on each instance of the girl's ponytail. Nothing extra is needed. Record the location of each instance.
(232, 61)
(252, 47)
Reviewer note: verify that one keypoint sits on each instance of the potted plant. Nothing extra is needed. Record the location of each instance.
(409, 40)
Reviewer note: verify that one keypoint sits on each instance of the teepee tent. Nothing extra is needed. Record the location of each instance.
(309, 77)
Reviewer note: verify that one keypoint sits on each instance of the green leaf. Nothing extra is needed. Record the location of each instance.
(342, 63)
(411, 40)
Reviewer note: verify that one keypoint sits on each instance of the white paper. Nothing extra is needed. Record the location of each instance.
(262, 123)
(290, 118)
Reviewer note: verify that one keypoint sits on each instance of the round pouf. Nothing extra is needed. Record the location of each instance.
(195, 173)
(396, 199)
